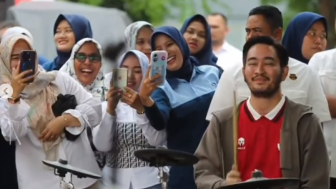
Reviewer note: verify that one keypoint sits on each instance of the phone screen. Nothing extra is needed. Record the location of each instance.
(119, 78)
(27, 62)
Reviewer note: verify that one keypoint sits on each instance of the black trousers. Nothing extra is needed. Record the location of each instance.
(332, 183)
(8, 179)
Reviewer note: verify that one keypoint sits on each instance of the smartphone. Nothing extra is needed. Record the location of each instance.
(28, 62)
(159, 64)
(119, 78)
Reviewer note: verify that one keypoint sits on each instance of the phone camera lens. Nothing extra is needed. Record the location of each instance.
(155, 59)
(155, 55)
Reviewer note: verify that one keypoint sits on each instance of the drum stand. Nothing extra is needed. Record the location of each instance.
(63, 183)
(163, 176)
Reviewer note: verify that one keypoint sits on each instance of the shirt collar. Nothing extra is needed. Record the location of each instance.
(271, 115)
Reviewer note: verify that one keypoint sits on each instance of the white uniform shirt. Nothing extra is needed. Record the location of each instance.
(227, 55)
(324, 63)
(122, 135)
(31, 172)
(301, 86)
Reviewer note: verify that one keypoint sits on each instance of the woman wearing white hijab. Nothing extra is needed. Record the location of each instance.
(85, 66)
(33, 125)
(123, 128)
(20, 30)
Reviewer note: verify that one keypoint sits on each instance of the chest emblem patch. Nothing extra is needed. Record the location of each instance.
(241, 143)
(292, 76)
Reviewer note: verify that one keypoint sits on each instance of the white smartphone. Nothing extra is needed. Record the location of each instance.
(159, 64)
(119, 78)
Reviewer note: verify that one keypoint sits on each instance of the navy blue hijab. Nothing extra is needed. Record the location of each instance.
(296, 31)
(205, 56)
(82, 29)
(189, 62)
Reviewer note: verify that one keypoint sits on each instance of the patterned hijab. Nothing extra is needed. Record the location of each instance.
(96, 88)
(131, 33)
(39, 95)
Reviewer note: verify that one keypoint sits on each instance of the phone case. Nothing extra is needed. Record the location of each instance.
(28, 62)
(119, 78)
(159, 63)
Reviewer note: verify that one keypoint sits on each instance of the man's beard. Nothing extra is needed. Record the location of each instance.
(270, 91)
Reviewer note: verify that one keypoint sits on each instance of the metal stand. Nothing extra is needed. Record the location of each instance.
(63, 183)
(163, 176)
(62, 173)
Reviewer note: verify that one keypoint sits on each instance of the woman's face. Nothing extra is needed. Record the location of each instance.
(195, 35)
(135, 75)
(314, 41)
(64, 37)
(87, 63)
(19, 46)
(175, 57)
(143, 41)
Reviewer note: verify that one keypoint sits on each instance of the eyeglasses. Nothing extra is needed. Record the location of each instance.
(81, 57)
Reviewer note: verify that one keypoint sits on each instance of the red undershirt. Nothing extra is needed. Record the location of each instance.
(259, 144)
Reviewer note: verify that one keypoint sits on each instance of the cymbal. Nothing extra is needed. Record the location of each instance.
(165, 157)
(64, 167)
(264, 183)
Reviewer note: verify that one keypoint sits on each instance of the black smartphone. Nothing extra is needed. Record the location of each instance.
(28, 62)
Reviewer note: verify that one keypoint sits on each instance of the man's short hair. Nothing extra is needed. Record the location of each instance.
(272, 14)
(8, 24)
(221, 15)
(280, 50)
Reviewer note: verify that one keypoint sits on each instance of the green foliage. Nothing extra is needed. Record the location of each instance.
(155, 11)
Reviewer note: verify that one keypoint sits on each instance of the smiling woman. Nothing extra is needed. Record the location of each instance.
(85, 66)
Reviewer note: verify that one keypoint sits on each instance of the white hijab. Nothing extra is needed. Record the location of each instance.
(96, 88)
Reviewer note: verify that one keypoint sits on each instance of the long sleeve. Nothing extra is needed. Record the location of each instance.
(312, 144)
(14, 123)
(88, 111)
(158, 114)
(317, 99)
(224, 93)
(103, 133)
(153, 136)
(208, 170)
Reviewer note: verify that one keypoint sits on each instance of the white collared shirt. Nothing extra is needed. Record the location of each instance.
(324, 63)
(228, 55)
(301, 86)
(271, 115)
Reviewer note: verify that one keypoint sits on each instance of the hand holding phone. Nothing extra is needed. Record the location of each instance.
(159, 64)
(19, 81)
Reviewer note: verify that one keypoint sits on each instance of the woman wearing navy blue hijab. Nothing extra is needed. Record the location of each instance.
(305, 35)
(68, 30)
(181, 104)
(196, 32)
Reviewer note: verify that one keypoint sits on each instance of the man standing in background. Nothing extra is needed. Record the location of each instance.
(225, 52)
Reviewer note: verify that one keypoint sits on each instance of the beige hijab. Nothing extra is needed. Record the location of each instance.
(39, 95)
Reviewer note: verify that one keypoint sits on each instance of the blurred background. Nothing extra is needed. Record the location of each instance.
(109, 18)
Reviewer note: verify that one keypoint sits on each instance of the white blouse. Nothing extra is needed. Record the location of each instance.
(32, 173)
(120, 136)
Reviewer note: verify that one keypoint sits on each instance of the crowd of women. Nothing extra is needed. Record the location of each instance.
(105, 125)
